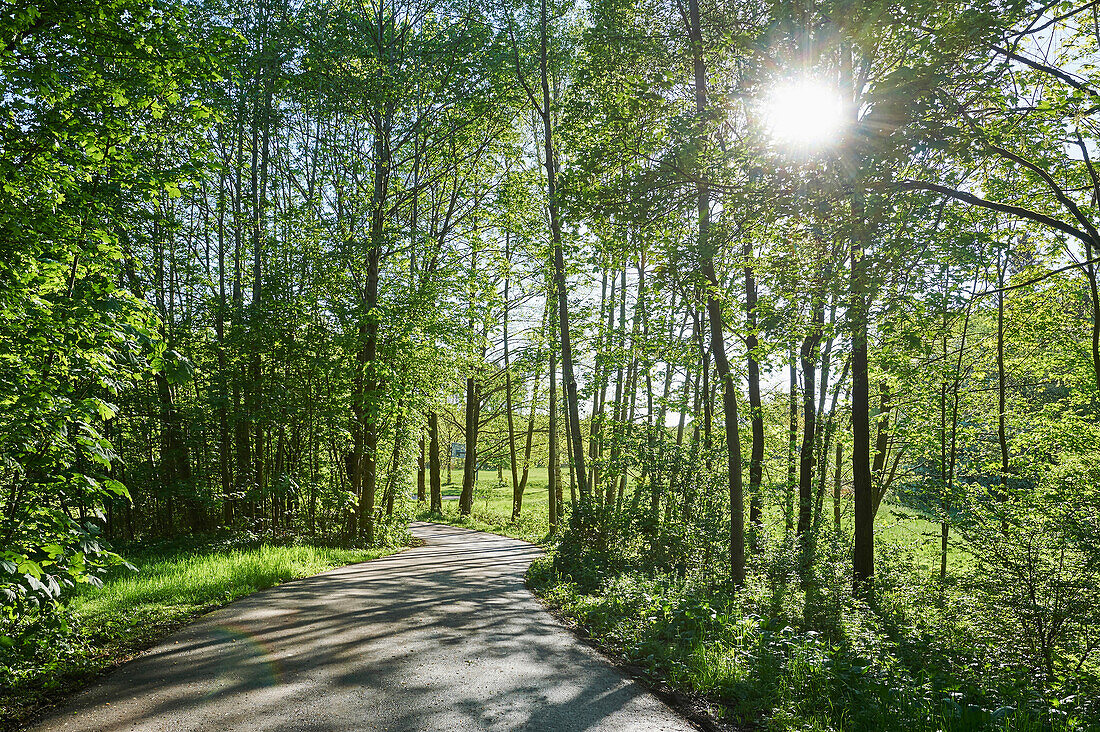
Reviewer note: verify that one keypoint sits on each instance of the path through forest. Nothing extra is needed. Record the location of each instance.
(441, 637)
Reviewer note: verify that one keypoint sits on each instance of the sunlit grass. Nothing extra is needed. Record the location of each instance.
(183, 585)
(492, 506)
(135, 609)
(911, 530)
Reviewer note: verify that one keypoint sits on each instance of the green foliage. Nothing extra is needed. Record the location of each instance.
(79, 135)
(792, 653)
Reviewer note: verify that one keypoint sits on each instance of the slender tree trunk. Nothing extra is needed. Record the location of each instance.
(242, 430)
(792, 443)
(370, 408)
(863, 553)
(808, 355)
(619, 415)
(259, 209)
(656, 425)
(572, 402)
(553, 478)
(370, 401)
(826, 420)
(756, 410)
(714, 314)
(421, 490)
(223, 369)
(733, 437)
(946, 497)
(1002, 405)
(469, 466)
(949, 492)
(434, 471)
(628, 424)
(691, 481)
(637, 341)
(393, 479)
(827, 437)
(882, 446)
(529, 443)
(836, 486)
(599, 393)
(1094, 300)
(676, 472)
(569, 441)
(531, 420)
(517, 488)
(450, 455)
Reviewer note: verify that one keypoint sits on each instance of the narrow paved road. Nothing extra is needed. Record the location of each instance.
(444, 637)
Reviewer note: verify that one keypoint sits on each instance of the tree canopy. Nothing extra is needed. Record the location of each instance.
(778, 294)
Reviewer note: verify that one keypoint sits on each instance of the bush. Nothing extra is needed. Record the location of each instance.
(794, 651)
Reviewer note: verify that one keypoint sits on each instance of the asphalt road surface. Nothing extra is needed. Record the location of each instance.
(443, 637)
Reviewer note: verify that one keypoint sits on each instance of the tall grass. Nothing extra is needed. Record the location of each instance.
(185, 584)
(103, 627)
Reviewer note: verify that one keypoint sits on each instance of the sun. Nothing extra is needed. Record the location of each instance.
(804, 114)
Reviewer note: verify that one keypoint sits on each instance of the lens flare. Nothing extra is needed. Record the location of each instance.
(804, 114)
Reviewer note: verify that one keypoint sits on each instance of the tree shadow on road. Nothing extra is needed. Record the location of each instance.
(443, 637)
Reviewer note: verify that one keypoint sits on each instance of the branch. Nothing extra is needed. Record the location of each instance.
(1040, 278)
(1047, 69)
(1019, 211)
(1051, 183)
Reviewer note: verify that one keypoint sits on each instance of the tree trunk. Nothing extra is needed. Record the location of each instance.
(714, 313)
(528, 444)
(792, 444)
(863, 552)
(809, 352)
(371, 398)
(949, 492)
(572, 403)
(1094, 301)
(619, 415)
(836, 486)
(393, 479)
(882, 446)
(469, 465)
(517, 488)
(733, 437)
(827, 437)
(756, 411)
(553, 477)
(1002, 439)
(599, 393)
(434, 471)
(224, 469)
(421, 491)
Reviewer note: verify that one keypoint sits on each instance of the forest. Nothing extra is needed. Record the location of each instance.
(777, 322)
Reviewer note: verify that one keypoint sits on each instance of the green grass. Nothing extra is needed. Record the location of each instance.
(906, 528)
(918, 533)
(784, 655)
(170, 588)
(133, 610)
(492, 506)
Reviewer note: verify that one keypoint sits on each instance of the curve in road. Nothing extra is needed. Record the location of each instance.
(444, 637)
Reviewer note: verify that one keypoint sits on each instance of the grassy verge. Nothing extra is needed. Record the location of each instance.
(108, 626)
(783, 655)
